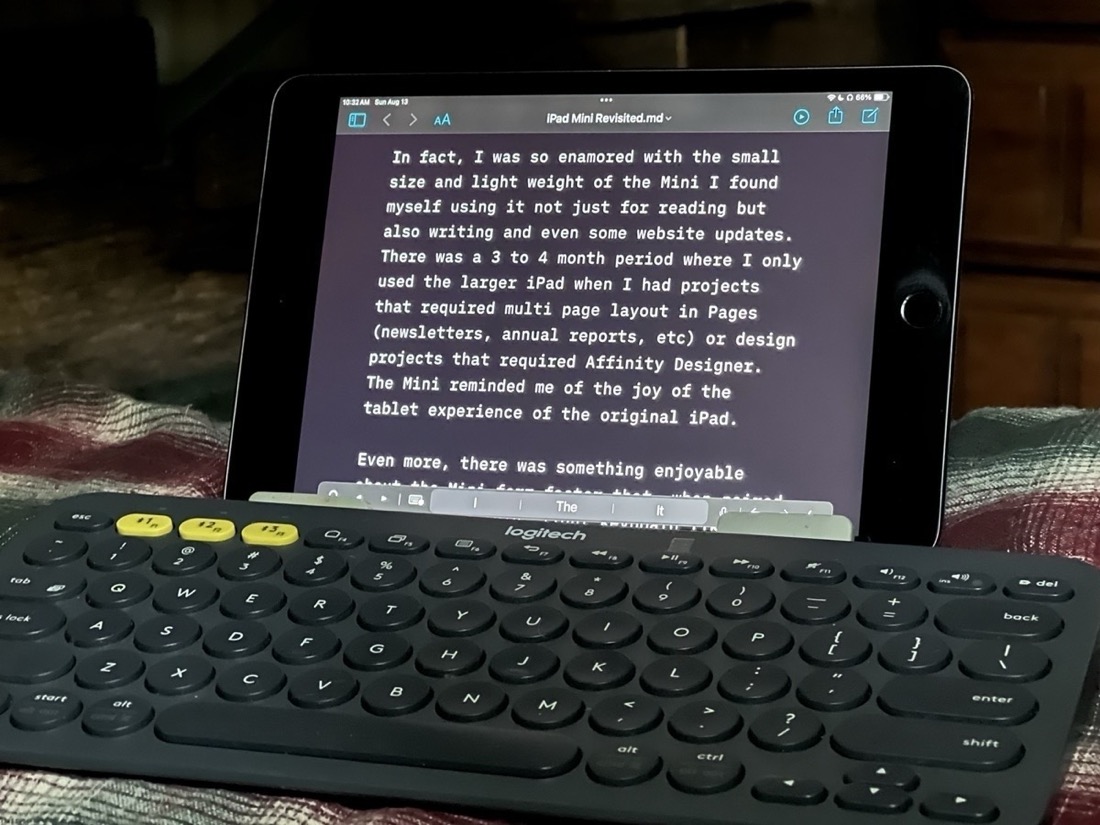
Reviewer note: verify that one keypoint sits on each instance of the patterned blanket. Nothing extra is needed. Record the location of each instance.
(1021, 480)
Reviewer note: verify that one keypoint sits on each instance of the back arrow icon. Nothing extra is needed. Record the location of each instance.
(386, 119)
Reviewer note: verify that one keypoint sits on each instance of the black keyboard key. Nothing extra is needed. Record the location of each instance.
(253, 601)
(464, 617)
(666, 595)
(593, 590)
(757, 641)
(396, 695)
(482, 749)
(114, 553)
(178, 675)
(675, 676)
(251, 682)
(620, 768)
(449, 657)
(164, 633)
(754, 684)
(109, 669)
(998, 619)
(961, 583)
(523, 664)
(1004, 662)
(816, 605)
(898, 776)
(887, 577)
(452, 579)
(874, 799)
(704, 721)
(533, 552)
(921, 742)
(706, 773)
(469, 549)
(814, 571)
(390, 612)
(959, 807)
(324, 605)
(607, 629)
(892, 612)
(1039, 589)
(305, 645)
(547, 709)
(523, 584)
(379, 574)
(46, 711)
(682, 635)
(471, 701)
(833, 690)
(246, 564)
(30, 663)
(46, 551)
(403, 544)
(786, 729)
(28, 620)
(42, 585)
(602, 559)
(957, 700)
(534, 624)
(673, 563)
(324, 687)
(625, 715)
(85, 521)
(790, 791)
(740, 600)
(185, 595)
(233, 640)
(117, 716)
(377, 651)
(119, 590)
(915, 653)
(183, 558)
(332, 538)
(742, 567)
(600, 670)
(832, 647)
(98, 627)
(316, 567)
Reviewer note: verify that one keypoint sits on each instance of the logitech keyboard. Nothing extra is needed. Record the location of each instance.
(540, 669)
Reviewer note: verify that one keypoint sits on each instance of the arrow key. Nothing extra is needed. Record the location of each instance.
(959, 808)
(790, 791)
(898, 776)
(876, 799)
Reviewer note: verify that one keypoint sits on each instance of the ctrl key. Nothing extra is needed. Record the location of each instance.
(44, 711)
(624, 765)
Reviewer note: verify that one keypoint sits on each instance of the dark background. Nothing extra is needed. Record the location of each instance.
(132, 137)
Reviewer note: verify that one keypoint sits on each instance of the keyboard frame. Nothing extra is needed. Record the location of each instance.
(1021, 792)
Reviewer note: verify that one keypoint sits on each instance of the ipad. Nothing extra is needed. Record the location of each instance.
(650, 297)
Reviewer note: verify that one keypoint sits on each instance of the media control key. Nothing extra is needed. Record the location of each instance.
(997, 619)
(961, 583)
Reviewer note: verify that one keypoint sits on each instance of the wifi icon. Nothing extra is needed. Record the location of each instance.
(831, 97)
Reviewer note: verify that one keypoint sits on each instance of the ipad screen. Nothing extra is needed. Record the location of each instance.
(641, 309)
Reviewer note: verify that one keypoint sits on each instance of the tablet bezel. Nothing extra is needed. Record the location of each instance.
(911, 366)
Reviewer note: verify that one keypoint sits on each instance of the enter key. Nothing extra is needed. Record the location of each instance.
(959, 700)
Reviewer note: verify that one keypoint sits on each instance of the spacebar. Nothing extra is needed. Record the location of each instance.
(446, 746)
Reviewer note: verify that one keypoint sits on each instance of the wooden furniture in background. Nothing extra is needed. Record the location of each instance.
(1029, 304)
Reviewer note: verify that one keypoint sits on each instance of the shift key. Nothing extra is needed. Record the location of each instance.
(998, 619)
(921, 742)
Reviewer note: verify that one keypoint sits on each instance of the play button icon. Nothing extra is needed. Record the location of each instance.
(801, 116)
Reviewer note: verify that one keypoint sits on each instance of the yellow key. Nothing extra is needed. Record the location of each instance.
(146, 525)
(270, 533)
(207, 529)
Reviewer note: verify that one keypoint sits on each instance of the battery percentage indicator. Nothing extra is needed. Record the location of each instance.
(881, 96)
